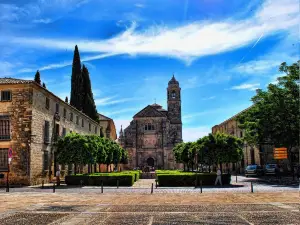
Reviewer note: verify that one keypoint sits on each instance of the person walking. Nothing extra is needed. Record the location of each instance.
(219, 177)
(58, 177)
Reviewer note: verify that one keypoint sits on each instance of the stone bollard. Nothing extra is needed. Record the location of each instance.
(200, 186)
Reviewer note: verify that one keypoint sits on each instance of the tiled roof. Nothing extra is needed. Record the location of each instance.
(9, 80)
(102, 117)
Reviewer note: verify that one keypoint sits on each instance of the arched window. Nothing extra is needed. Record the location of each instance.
(173, 95)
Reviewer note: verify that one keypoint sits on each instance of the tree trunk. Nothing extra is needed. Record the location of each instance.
(75, 168)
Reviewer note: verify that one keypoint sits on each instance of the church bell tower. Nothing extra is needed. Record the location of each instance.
(174, 110)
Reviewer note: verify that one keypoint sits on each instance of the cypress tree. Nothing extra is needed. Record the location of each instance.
(66, 99)
(44, 85)
(76, 82)
(88, 104)
(37, 77)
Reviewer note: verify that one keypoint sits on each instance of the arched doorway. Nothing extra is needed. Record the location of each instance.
(150, 162)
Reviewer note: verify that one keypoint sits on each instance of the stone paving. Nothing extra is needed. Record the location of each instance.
(235, 204)
(206, 208)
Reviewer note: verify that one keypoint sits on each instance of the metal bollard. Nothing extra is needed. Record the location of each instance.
(251, 187)
(81, 183)
(101, 186)
(152, 188)
(117, 183)
(201, 186)
(42, 184)
(156, 184)
(53, 187)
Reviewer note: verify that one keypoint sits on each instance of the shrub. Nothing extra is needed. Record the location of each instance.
(108, 179)
(189, 179)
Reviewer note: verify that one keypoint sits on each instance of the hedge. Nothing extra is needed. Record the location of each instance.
(189, 179)
(108, 179)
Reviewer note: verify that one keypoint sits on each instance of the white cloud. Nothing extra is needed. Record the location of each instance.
(193, 134)
(251, 87)
(186, 42)
(258, 66)
(139, 5)
(6, 68)
(121, 111)
(208, 98)
(104, 100)
(110, 101)
(63, 64)
(45, 21)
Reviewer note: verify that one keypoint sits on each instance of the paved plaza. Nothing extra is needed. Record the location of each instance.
(268, 204)
(133, 208)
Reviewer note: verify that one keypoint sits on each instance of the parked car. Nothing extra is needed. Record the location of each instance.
(254, 170)
(270, 169)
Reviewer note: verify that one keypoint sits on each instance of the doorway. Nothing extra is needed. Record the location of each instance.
(150, 162)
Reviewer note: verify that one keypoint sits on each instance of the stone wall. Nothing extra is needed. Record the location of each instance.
(20, 111)
(40, 114)
(231, 127)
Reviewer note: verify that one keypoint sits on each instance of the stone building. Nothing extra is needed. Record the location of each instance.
(107, 127)
(261, 154)
(154, 131)
(230, 126)
(31, 119)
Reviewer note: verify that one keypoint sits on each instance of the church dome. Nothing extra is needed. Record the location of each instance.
(173, 81)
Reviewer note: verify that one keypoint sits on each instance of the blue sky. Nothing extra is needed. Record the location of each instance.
(219, 50)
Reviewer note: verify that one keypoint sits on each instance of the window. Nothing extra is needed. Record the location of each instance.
(46, 160)
(71, 116)
(90, 127)
(65, 113)
(96, 130)
(149, 126)
(47, 132)
(47, 103)
(57, 108)
(4, 128)
(56, 135)
(82, 122)
(3, 159)
(5, 96)
(241, 133)
(77, 120)
(64, 131)
(173, 95)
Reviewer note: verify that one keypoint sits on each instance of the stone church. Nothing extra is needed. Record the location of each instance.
(154, 131)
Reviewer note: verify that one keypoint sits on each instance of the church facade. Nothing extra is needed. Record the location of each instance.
(154, 131)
